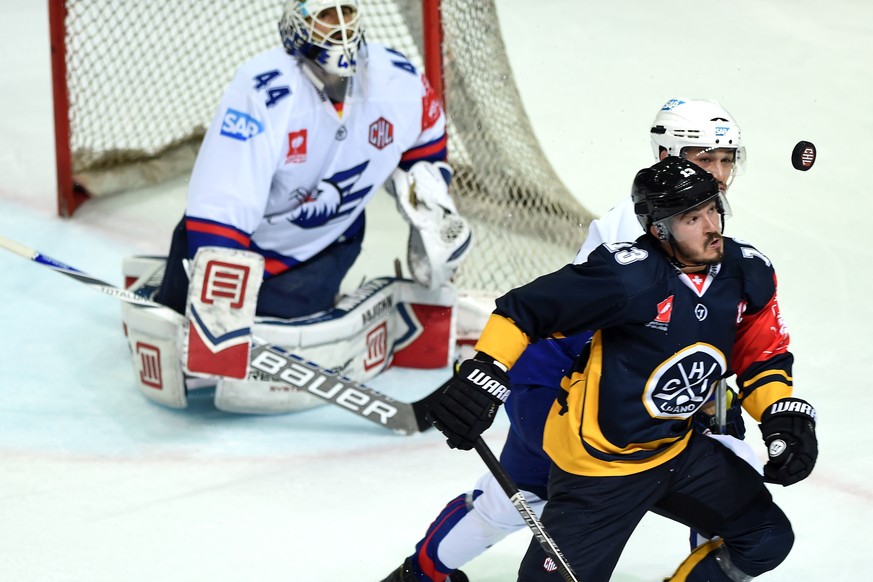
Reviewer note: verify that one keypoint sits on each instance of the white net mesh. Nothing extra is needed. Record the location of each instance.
(144, 79)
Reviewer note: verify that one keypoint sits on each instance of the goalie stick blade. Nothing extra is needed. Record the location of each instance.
(421, 407)
(402, 417)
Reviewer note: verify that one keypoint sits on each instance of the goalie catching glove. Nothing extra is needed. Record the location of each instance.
(439, 238)
(788, 428)
(467, 406)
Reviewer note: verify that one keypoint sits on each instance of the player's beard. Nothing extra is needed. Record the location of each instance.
(703, 255)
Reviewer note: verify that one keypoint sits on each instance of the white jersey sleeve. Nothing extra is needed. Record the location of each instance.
(231, 179)
(618, 225)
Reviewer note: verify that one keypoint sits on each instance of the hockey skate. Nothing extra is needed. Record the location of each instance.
(404, 573)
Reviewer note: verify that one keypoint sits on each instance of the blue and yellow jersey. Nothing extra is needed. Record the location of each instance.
(662, 340)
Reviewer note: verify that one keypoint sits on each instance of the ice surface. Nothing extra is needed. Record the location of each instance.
(97, 484)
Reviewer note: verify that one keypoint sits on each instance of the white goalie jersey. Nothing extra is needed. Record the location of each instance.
(285, 173)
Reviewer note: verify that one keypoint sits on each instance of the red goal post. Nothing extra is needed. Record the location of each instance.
(136, 83)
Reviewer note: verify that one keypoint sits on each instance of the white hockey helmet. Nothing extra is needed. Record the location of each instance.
(696, 123)
(327, 32)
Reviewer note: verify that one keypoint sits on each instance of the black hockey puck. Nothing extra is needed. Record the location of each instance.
(803, 156)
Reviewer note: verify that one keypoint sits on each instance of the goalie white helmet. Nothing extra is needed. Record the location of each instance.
(696, 123)
(327, 32)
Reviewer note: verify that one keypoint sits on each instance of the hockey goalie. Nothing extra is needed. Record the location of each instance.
(302, 139)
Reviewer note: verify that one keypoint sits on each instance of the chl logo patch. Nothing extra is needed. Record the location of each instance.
(381, 133)
(682, 384)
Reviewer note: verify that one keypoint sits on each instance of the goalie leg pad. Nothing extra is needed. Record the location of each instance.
(429, 320)
(222, 299)
(155, 338)
(143, 274)
(262, 397)
(384, 322)
(354, 339)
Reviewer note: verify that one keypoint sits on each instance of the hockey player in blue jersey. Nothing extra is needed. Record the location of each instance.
(673, 312)
(697, 129)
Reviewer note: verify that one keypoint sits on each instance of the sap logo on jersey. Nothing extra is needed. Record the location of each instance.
(682, 384)
(239, 125)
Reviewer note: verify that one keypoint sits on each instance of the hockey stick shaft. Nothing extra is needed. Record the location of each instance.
(721, 406)
(81, 277)
(274, 363)
(526, 512)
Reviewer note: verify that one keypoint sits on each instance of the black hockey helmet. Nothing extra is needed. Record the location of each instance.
(670, 187)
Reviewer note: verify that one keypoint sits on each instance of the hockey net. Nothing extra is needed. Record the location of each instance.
(136, 84)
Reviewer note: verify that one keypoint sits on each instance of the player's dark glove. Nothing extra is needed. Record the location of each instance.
(788, 428)
(705, 419)
(468, 404)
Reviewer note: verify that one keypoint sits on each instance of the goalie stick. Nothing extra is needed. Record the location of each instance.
(527, 513)
(275, 364)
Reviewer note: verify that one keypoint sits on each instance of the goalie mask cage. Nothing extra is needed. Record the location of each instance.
(136, 84)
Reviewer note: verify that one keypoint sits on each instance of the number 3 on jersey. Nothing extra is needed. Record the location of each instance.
(626, 253)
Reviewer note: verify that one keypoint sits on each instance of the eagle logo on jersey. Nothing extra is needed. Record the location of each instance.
(317, 207)
(683, 383)
(332, 198)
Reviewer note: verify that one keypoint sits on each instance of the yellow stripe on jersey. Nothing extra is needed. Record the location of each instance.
(568, 437)
(686, 567)
(760, 392)
(502, 340)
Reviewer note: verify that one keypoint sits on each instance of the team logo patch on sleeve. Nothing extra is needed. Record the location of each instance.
(240, 126)
(430, 106)
(381, 133)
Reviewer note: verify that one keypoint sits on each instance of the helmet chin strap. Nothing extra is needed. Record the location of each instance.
(676, 262)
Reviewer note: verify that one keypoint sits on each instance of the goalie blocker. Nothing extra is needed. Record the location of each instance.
(385, 322)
